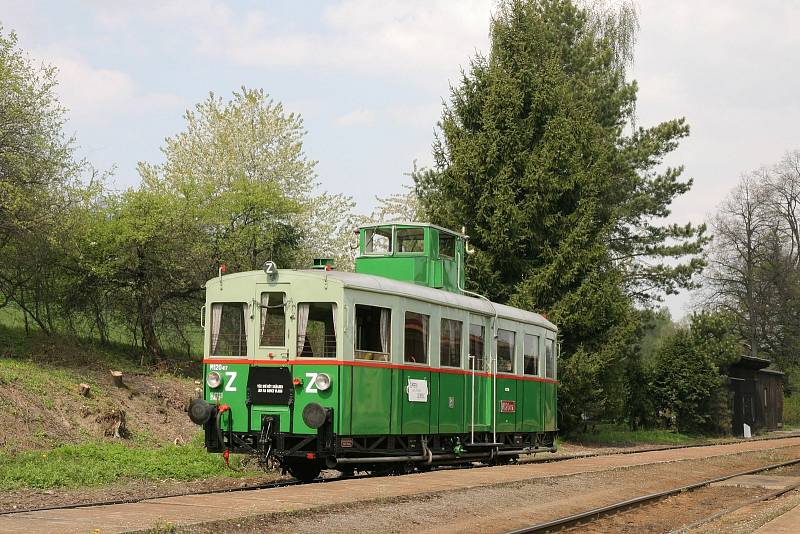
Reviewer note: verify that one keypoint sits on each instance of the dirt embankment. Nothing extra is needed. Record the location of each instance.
(41, 405)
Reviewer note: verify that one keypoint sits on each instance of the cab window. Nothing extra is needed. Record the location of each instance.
(273, 320)
(476, 344)
(410, 240)
(316, 330)
(373, 333)
(415, 346)
(229, 329)
(450, 346)
(447, 245)
(505, 350)
(531, 354)
(378, 240)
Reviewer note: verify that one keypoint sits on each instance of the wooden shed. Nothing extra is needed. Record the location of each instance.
(756, 395)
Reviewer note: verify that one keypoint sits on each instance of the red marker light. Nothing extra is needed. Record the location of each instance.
(310, 456)
(297, 381)
(223, 268)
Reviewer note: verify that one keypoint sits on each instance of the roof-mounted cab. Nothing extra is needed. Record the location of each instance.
(419, 253)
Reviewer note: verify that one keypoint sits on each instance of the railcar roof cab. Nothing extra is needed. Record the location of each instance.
(393, 367)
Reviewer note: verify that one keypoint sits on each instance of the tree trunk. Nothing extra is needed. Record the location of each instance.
(149, 337)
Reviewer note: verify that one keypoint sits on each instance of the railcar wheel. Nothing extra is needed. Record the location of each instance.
(303, 470)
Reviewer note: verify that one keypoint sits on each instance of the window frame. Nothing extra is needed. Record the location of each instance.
(460, 343)
(355, 333)
(427, 362)
(261, 309)
(397, 240)
(538, 355)
(210, 308)
(513, 333)
(483, 359)
(548, 373)
(336, 330)
(453, 239)
(391, 240)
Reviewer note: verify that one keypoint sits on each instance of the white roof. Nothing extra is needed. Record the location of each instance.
(407, 223)
(380, 284)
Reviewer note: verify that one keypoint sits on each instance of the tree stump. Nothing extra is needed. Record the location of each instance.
(116, 377)
(85, 390)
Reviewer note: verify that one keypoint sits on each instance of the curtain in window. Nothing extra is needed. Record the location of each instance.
(385, 330)
(302, 325)
(264, 314)
(333, 314)
(216, 322)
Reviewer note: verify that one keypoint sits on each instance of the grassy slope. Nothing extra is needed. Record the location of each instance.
(52, 437)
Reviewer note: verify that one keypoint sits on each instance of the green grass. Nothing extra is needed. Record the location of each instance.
(620, 435)
(97, 464)
(791, 410)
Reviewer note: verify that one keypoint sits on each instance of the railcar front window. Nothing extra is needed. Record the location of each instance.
(373, 333)
(550, 357)
(378, 241)
(416, 338)
(229, 329)
(410, 240)
(476, 345)
(450, 346)
(316, 330)
(531, 354)
(273, 320)
(505, 350)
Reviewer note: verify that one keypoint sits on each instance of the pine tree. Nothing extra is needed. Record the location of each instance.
(538, 156)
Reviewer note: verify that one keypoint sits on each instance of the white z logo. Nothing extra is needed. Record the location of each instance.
(312, 383)
(229, 384)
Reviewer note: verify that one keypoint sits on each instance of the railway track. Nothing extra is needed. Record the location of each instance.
(589, 516)
(287, 483)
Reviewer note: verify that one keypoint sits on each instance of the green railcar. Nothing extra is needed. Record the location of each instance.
(391, 367)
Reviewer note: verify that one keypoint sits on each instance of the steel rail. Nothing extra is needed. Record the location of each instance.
(597, 513)
(726, 511)
(285, 483)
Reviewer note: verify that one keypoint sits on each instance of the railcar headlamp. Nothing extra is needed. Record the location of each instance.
(213, 379)
(323, 381)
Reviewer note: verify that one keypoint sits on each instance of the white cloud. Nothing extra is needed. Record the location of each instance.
(358, 117)
(102, 95)
(417, 38)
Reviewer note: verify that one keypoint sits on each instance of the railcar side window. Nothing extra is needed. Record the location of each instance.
(531, 354)
(229, 329)
(416, 338)
(410, 240)
(316, 330)
(378, 240)
(373, 333)
(550, 357)
(273, 320)
(476, 344)
(450, 346)
(505, 350)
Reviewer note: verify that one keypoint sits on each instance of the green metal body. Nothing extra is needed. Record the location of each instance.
(369, 397)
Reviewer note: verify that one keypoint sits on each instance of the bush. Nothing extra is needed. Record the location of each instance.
(688, 389)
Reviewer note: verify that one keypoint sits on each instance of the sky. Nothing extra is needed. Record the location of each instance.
(369, 79)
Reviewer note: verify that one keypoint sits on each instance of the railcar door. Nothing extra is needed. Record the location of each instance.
(270, 390)
(417, 392)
